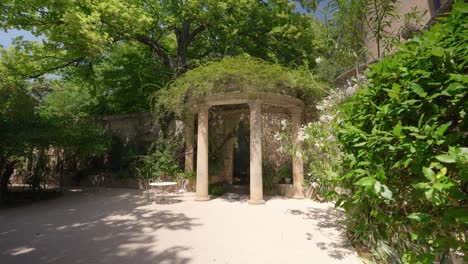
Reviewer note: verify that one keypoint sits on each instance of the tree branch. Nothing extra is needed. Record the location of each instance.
(195, 32)
(74, 62)
(157, 49)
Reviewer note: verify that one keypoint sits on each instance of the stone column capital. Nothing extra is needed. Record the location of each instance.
(200, 107)
(296, 111)
(254, 104)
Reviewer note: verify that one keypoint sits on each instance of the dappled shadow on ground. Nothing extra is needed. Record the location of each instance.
(97, 226)
(329, 221)
(232, 197)
(244, 198)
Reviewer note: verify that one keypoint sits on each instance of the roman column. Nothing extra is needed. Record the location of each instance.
(298, 165)
(202, 154)
(189, 141)
(256, 181)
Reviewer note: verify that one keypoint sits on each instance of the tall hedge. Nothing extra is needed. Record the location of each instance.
(405, 141)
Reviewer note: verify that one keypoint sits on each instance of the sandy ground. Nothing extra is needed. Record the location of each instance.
(122, 226)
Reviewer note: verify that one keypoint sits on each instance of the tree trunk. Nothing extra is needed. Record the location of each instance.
(183, 42)
(179, 64)
(5, 178)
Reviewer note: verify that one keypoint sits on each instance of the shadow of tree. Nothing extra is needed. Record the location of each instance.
(332, 219)
(244, 198)
(94, 226)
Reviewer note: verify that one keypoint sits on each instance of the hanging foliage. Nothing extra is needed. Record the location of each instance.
(242, 74)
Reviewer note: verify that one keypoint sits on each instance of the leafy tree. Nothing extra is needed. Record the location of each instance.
(344, 26)
(118, 52)
(178, 33)
(406, 160)
(122, 81)
(27, 135)
(379, 17)
(349, 23)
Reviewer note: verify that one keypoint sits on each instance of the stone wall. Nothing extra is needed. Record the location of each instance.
(273, 150)
(131, 134)
(140, 130)
(135, 127)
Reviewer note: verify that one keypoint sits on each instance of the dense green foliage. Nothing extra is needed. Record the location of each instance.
(112, 55)
(28, 136)
(162, 162)
(120, 81)
(354, 28)
(236, 74)
(405, 144)
(218, 189)
(344, 35)
(270, 177)
(322, 152)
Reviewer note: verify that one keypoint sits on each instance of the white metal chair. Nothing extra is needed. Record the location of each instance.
(151, 193)
(181, 190)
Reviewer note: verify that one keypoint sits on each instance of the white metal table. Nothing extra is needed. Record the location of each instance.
(162, 185)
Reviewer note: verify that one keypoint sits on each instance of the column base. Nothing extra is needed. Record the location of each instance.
(202, 198)
(298, 196)
(256, 201)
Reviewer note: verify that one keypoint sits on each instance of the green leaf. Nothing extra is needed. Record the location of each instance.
(397, 129)
(445, 158)
(429, 193)
(437, 51)
(386, 193)
(394, 92)
(420, 217)
(440, 186)
(454, 88)
(421, 185)
(441, 129)
(339, 203)
(360, 144)
(366, 181)
(416, 88)
(377, 187)
(428, 173)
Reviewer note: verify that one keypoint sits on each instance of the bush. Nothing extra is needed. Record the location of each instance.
(163, 160)
(404, 140)
(218, 189)
(270, 178)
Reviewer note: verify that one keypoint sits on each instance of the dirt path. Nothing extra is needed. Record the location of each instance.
(121, 226)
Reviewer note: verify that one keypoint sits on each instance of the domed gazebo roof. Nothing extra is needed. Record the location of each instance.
(237, 80)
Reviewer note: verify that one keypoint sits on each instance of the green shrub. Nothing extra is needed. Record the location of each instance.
(406, 161)
(285, 171)
(270, 178)
(218, 189)
(163, 160)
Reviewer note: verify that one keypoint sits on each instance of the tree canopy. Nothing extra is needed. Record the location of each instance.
(112, 55)
(178, 33)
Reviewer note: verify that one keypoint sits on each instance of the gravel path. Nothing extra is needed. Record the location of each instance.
(121, 226)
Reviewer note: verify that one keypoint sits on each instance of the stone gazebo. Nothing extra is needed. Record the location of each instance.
(258, 103)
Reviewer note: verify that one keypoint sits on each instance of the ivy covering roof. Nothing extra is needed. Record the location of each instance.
(242, 74)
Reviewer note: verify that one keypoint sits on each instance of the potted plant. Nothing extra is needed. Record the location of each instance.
(285, 173)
